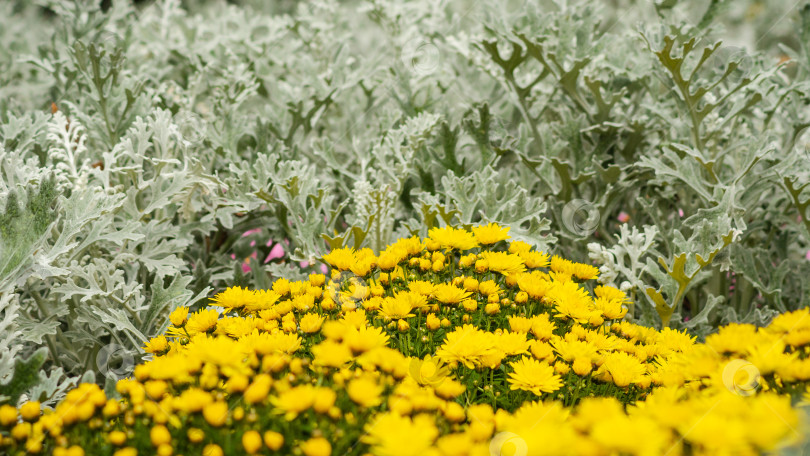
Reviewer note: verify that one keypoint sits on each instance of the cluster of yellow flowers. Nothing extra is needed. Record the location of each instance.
(462, 343)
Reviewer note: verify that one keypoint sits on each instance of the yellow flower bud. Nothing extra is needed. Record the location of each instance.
(159, 435)
(21, 431)
(155, 388)
(8, 415)
(33, 445)
(334, 413)
(179, 316)
(582, 366)
(324, 400)
(258, 390)
(433, 323)
(75, 450)
(111, 408)
(85, 411)
(317, 280)
(30, 411)
(561, 367)
(212, 449)
(437, 256)
(117, 438)
(128, 451)
(466, 261)
(195, 435)
(273, 440)
(328, 304)
(252, 442)
(317, 446)
(237, 383)
(216, 413)
(470, 305)
(454, 412)
(596, 320)
(470, 284)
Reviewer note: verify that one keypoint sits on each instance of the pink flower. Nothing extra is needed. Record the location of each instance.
(276, 252)
(324, 269)
(246, 264)
(253, 231)
(680, 212)
(269, 242)
(623, 217)
(253, 243)
(304, 264)
(807, 255)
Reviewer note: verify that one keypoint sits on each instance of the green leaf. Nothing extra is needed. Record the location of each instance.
(26, 375)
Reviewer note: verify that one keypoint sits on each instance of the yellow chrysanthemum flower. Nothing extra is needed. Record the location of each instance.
(342, 259)
(331, 354)
(364, 339)
(311, 322)
(401, 305)
(504, 263)
(157, 344)
(294, 401)
(365, 391)
(179, 316)
(391, 434)
(203, 320)
(490, 234)
(453, 238)
(531, 375)
(467, 345)
(624, 369)
(234, 298)
(449, 294)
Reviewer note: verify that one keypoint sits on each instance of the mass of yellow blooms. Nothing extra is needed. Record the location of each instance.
(462, 343)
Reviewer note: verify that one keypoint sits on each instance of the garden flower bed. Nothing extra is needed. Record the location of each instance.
(462, 343)
(383, 227)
